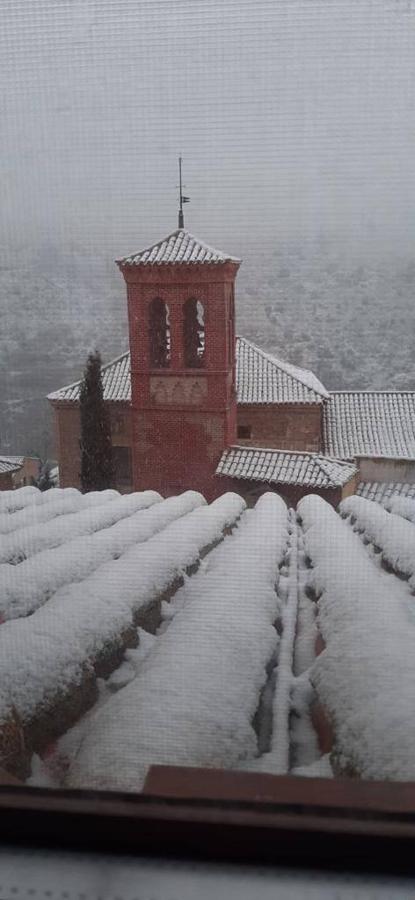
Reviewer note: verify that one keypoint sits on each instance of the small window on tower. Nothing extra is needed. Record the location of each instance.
(159, 334)
(245, 432)
(194, 334)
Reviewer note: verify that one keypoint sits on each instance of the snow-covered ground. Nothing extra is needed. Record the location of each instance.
(136, 630)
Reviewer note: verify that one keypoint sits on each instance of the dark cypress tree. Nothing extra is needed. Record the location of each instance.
(45, 482)
(97, 468)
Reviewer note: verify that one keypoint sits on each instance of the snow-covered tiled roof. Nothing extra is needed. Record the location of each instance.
(10, 464)
(284, 467)
(260, 378)
(116, 380)
(383, 491)
(370, 423)
(178, 247)
(263, 378)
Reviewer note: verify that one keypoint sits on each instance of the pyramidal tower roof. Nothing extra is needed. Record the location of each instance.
(178, 248)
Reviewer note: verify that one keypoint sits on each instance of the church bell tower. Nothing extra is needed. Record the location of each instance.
(181, 320)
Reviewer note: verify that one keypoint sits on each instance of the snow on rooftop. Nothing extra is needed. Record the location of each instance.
(384, 491)
(355, 424)
(392, 534)
(196, 696)
(370, 424)
(263, 378)
(260, 378)
(214, 596)
(116, 381)
(53, 649)
(10, 464)
(284, 467)
(179, 247)
(365, 676)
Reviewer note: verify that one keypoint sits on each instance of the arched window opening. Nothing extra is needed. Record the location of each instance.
(159, 331)
(194, 334)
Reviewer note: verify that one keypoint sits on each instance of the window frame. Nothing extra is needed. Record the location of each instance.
(234, 816)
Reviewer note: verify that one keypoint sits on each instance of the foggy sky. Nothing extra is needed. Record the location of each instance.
(294, 118)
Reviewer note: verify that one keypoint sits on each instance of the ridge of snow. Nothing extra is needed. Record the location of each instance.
(27, 541)
(401, 506)
(194, 699)
(45, 654)
(25, 587)
(37, 513)
(365, 676)
(394, 535)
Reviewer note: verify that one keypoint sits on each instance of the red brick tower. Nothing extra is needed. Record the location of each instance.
(182, 344)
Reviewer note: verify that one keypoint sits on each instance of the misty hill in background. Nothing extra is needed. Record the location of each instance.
(295, 120)
(350, 319)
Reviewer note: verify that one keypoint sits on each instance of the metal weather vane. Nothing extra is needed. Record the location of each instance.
(182, 198)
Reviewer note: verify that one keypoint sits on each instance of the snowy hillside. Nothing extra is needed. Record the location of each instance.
(265, 639)
(339, 314)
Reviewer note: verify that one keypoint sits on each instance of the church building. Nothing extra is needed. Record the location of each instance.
(193, 406)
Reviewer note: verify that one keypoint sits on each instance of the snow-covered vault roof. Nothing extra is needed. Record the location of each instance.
(370, 424)
(81, 574)
(285, 467)
(179, 247)
(260, 378)
(10, 464)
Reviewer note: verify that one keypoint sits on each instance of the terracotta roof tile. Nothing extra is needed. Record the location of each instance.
(263, 378)
(10, 464)
(382, 491)
(370, 423)
(116, 379)
(178, 247)
(260, 378)
(284, 467)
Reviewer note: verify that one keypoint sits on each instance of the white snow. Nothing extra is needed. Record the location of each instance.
(51, 770)
(320, 768)
(394, 535)
(278, 758)
(401, 506)
(366, 675)
(25, 542)
(196, 693)
(18, 499)
(25, 587)
(46, 653)
(37, 513)
(305, 750)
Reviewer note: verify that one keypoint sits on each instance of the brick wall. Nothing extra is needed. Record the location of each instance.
(67, 436)
(6, 481)
(173, 453)
(183, 417)
(393, 470)
(351, 487)
(28, 473)
(282, 427)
